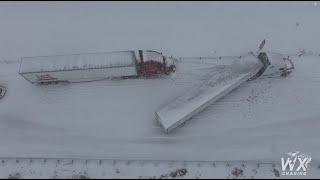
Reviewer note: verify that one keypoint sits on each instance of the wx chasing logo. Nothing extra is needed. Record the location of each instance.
(291, 164)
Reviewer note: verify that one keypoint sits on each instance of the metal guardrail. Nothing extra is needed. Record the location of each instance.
(101, 160)
(245, 54)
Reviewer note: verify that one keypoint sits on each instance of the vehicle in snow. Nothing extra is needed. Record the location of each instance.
(94, 66)
(222, 82)
(279, 65)
(3, 91)
(133, 64)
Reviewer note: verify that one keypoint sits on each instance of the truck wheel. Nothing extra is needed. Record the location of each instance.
(173, 68)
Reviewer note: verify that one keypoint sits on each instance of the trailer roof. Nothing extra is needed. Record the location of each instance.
(76, 61)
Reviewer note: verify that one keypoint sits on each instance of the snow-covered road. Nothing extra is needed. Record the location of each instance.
(262, 119)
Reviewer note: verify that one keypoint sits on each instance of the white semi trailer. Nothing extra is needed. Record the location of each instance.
(94, 66)
(220, 83)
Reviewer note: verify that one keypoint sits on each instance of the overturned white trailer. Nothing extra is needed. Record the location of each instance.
(220, 83)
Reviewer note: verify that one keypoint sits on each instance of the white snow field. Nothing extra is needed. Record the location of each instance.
(260, 121)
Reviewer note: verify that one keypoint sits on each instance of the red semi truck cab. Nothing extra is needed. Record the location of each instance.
(154, 63)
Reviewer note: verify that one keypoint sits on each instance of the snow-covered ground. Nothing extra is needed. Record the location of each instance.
(177, 28)
(261, 121)
(80, 168)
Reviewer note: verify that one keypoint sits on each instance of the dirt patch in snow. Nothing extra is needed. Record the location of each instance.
(15, 176)
(237, 172)
(276, 172)
(173, 174)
